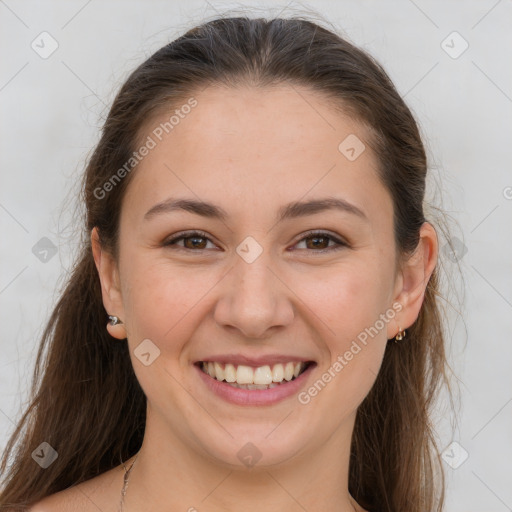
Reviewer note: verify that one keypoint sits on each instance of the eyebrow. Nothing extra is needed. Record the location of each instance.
(289, 211)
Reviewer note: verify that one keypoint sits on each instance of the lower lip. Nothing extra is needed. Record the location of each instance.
(255, 396)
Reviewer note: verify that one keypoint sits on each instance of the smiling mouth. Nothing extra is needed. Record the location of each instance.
(248, 377)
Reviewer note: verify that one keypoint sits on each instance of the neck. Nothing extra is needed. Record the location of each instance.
(170, 475)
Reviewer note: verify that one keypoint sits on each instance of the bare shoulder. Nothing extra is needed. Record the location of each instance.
(56, 502)
(98, 493)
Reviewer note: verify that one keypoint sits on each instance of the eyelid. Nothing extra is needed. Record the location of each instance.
(340, 241)
(187, 234)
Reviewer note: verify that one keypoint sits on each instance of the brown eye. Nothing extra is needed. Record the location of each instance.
(315, 241)
(194, 240)
(319, 242)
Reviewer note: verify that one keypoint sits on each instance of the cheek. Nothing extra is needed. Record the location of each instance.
(163, 301)
(350, 303)
(163, 305)
(348, 299)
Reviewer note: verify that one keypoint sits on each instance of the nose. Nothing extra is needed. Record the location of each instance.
(254, 299)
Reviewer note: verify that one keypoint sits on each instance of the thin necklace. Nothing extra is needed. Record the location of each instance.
(125, 484)
(127, 477)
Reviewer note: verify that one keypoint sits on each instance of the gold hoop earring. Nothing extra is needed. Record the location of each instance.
(400, 335)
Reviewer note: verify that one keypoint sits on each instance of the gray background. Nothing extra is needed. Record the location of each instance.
(52, 109)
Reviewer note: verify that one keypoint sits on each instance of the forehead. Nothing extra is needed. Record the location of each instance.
(247, 147)
(250, 121)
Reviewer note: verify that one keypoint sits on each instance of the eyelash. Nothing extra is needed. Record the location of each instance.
(309, 234)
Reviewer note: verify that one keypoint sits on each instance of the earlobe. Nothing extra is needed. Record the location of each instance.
(116, 328)
(110, 286)
(414, 277)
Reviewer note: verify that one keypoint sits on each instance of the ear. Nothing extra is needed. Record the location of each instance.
(110, 285)
(413, 278)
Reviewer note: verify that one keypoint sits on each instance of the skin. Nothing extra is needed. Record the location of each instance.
(251, 151)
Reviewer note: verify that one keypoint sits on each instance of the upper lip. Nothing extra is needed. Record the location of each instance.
(270, 359)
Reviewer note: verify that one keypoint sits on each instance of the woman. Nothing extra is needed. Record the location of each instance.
(255, 245)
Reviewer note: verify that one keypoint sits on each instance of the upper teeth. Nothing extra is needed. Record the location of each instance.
(247, 375)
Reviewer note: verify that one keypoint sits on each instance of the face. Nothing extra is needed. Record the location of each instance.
(256, 283)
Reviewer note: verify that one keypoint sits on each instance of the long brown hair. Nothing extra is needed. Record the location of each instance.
(86, 401)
